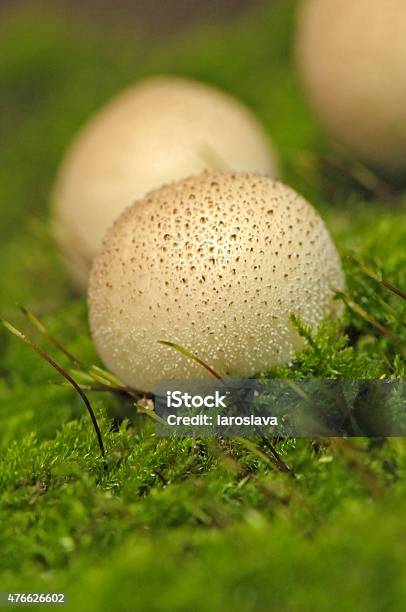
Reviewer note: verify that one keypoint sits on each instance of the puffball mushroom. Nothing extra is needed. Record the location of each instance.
(216, 263)
(352, 57)
(158, 131)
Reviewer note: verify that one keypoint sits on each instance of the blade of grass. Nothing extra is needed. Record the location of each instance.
(96, 373)
(63, 373)
(376, 276)
(43, 330)
(180, 349)
(369, 318)
(114, 384)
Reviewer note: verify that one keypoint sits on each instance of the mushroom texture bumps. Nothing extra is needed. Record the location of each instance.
(155, 132)
(217, 263)
(352, 59)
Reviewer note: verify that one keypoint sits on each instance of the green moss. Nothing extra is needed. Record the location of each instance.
(173, 525)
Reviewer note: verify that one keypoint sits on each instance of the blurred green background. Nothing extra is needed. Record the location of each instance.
(186, 525)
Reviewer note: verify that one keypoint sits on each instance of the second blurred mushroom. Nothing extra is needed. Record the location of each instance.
(156, 132)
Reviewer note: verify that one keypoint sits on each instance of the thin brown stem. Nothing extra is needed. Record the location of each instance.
(192, 357)
(41, 327)
(65, 375)
(376, 276)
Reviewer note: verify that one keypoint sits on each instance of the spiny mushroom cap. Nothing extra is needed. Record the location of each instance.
(156, 132)
(352, 58)
(216, 263)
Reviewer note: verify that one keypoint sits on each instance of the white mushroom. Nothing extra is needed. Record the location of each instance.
(352, 58)
(216, 263)
(156, 132)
